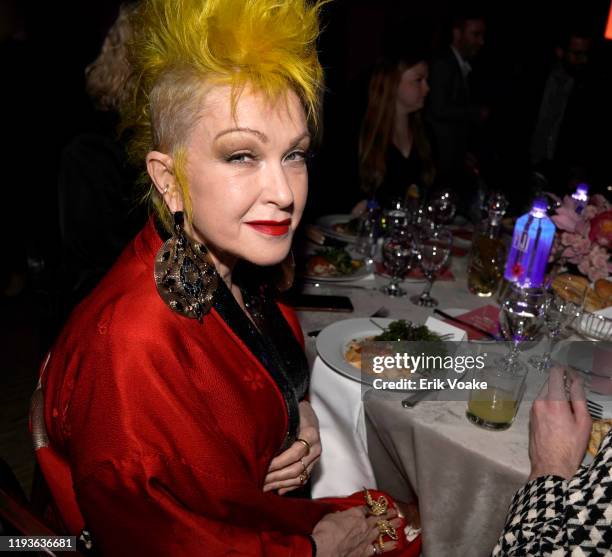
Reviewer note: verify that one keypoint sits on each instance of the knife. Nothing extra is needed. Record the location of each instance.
(465, 324)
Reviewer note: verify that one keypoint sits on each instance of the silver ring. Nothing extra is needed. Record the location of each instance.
(377, 549)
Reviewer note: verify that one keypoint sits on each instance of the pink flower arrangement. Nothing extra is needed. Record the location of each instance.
(584, 239)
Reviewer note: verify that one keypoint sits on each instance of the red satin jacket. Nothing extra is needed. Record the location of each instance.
(169, 426)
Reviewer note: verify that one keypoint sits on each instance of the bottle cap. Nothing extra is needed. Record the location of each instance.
(539, 207)
(582, 192)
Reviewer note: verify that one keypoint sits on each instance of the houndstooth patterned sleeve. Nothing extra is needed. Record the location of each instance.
(551, 516)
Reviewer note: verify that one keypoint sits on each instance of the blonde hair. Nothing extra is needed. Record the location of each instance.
(107, 78)
(181, 45)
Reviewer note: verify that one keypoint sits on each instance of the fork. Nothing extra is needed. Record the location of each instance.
(382, 311)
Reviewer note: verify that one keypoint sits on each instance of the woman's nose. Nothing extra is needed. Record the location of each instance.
(277, 189)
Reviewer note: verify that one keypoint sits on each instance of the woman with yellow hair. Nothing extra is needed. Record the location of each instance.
(174, 400)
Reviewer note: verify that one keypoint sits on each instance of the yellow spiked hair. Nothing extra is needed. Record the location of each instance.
(180, 45)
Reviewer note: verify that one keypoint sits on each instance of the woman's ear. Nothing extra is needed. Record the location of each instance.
(161, 170)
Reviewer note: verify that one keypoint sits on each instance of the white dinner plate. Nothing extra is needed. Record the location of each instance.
(578, 354)
(355, 275)
(327, 223)
(333, 340)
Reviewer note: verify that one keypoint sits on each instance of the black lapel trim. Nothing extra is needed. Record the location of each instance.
(275, 346)
(279, 366)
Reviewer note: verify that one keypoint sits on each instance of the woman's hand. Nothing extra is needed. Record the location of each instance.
(559, 428)
(352, 533)
(290, 469)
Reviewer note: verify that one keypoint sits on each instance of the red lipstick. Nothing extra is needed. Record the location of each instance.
(271, 227)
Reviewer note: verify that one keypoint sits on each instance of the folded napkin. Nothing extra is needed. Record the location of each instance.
(486, 318)
(458, 251)
(444, 328)
(417, 273)
(463, 233)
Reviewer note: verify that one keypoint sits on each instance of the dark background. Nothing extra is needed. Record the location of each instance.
(45, 47)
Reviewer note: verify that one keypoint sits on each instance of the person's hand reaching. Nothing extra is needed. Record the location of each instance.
(560, 426)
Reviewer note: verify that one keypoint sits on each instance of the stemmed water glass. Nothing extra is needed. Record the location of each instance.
(396, 216)
(398, 254)
(561, 308)
(442, 207)
(433, 248)
(521, 317)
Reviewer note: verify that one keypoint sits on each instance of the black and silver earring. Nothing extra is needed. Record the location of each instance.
(185, 276)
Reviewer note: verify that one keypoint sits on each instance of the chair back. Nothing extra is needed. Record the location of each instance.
(54, 467)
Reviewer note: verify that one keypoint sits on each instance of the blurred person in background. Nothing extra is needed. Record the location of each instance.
(452, 114)
(395, 158)
(99, 212)
(566, 114)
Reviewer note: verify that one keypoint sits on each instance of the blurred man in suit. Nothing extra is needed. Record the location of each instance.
(562, 143)
(452, 115)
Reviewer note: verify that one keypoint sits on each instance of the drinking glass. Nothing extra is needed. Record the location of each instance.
(433, 247)
(398, 254)
(442, 206)
(521, 318)
(396, 216)
(561, 307)
(496, 406)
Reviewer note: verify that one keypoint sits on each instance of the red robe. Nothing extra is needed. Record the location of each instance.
(169, 426)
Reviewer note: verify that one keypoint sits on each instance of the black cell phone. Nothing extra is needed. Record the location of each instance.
(319, 302)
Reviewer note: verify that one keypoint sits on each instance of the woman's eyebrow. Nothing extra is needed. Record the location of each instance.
(262, 136)
(304, 135)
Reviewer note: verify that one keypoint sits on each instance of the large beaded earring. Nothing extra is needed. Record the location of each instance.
(185, 276)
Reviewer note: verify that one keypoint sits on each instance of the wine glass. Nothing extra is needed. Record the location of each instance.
(433, 247)
(398, 254)
(521, 318)
(396, 216)
(442, 206)
(561, 308)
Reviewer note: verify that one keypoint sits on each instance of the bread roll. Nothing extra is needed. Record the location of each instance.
(599, 430)
(593, 302)
(603, 287)
(570, 287)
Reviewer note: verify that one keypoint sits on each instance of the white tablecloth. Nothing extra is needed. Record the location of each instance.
(345, 467)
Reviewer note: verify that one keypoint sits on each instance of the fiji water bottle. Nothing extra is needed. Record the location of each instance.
(531, 244)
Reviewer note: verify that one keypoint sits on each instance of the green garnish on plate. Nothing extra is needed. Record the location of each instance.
(340, 259)
(405, 330)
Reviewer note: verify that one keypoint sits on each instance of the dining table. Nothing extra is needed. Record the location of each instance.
(463, 476)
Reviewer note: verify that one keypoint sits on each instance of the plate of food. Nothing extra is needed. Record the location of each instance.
(341, 227)
(334, 265)
(340, 344)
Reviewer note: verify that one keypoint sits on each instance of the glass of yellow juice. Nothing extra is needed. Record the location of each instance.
(495, 406)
